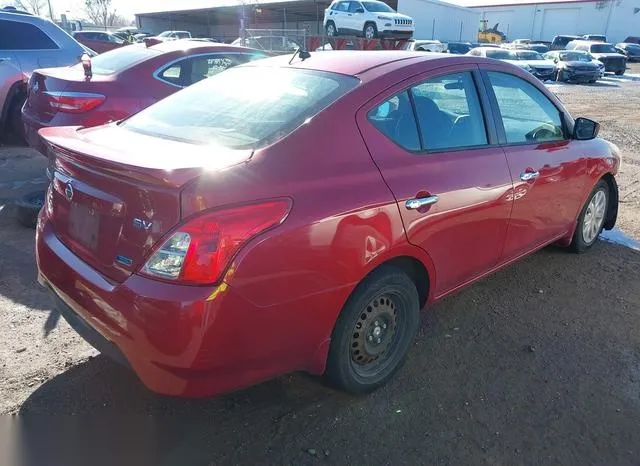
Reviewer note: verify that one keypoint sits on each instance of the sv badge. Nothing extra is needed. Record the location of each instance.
(142, 224)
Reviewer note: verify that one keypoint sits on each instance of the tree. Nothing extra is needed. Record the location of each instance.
(100, 12)
(37, 7)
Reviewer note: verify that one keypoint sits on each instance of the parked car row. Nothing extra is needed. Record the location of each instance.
(583, 59)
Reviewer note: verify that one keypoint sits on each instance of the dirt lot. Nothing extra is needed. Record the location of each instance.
(538, 364)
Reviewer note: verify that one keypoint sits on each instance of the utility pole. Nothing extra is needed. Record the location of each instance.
(50, 10)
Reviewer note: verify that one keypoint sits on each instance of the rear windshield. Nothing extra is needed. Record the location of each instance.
(529, 55)
(242, 108)
(119, 59)
(500, 54)
(563, 40)
(603, 48)
(574, 56)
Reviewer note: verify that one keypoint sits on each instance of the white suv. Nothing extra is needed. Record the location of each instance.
(368, 18)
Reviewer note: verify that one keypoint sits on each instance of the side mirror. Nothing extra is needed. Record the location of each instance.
(555, 60)
(359, 10)
(585, 129)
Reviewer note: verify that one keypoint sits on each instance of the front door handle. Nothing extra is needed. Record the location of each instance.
(528, 176)
(418, 202)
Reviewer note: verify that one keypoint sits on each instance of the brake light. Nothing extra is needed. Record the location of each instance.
(199, 251)
(73, 102)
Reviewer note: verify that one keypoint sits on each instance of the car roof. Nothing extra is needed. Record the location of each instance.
(187, 44)
(350, 62)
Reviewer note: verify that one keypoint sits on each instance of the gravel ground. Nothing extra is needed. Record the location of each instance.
(539, 363)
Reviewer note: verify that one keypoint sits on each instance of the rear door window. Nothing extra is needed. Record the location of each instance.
(194, 69)
(395, 119)
(16, 35)
(449, 112)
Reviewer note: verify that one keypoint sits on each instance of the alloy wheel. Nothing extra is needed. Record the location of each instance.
(594, 217)
(369, 32)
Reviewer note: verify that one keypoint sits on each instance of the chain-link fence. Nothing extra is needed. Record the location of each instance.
(275, 40)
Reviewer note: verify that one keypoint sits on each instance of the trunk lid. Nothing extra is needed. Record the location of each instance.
(54, 80)
(116, 193)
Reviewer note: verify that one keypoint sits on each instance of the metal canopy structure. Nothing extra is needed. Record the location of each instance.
(256, 14)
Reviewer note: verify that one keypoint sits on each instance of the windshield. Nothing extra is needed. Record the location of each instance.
(529, 55)
(377, 7)
(574, 56)
(119, 59)
(500, 54)
(603, 48)
(232, 110)
(632, 47)
(164, 34)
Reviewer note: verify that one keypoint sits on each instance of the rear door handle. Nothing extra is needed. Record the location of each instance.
(418, 202)
(528, 176)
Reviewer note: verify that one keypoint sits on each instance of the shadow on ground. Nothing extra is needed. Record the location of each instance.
(538, 364)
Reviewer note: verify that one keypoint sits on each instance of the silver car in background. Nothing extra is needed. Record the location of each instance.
(27, 43)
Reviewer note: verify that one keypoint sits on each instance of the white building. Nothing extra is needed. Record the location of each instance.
(544, 19)
(440, 20)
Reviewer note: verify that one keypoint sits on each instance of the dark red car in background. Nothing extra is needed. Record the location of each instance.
(121, 82)
(99, 41)
(298, 214)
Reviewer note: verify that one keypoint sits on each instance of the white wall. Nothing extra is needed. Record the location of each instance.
(617, 19)
(438, 20)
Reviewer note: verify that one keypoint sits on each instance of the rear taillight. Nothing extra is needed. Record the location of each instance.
(73, 102)
(199, 251)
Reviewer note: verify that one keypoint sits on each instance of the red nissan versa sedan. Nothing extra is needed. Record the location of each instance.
(297, 216)
(121, 82)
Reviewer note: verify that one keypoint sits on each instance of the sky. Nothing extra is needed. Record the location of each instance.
(126, 8)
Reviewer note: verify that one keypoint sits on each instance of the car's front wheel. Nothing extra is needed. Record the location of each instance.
(374, 332)
(331, 29)
(370, 31)
(592, 218)
(620, 72)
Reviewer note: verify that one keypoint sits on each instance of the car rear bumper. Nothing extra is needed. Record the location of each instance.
(614, 67)
(31, 128)
(181, 340)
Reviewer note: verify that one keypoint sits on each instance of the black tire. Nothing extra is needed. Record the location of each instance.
(27, 208)
(592, 81)
(620, 72)
(366, 28)
(357, 363)
(327, 28)
(579, 243)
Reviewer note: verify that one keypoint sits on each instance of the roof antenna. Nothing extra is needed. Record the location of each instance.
(302, 53)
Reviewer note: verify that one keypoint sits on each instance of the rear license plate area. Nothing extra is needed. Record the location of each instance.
(84, 224)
